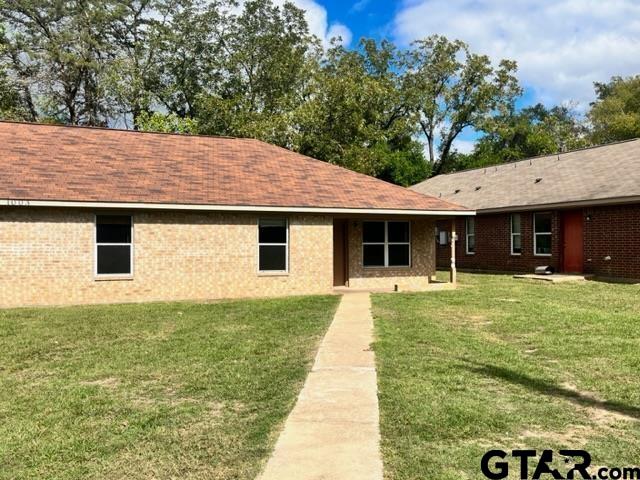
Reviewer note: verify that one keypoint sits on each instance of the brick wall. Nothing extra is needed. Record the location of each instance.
(612, 232)
(493, 245)
(47, 257)
(415, 277)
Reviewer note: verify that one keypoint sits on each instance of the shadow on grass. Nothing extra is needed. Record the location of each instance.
(551, 389)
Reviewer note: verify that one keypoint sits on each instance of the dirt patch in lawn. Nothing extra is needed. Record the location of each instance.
(602, 418)
(108, 382)
(601, 412)
(573, 436)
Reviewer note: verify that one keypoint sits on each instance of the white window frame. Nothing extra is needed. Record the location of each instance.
(467, 235)
(536, 233)
(515, 234)
(96, 245)
(386, 244)
(286, 245)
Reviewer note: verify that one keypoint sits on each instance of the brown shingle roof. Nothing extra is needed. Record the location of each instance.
(57, 163)
(590, 175)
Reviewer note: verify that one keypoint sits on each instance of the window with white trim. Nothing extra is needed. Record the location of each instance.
(542, 234)
(470, 233)
(386, 244)
(114, 245)
(273, 245)
(516, 234)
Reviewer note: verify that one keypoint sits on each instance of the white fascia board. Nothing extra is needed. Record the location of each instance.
(230, 208)
(563, 205)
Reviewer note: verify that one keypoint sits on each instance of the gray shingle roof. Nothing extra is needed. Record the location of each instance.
(592, 175)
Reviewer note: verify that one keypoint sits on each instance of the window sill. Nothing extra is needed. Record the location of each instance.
(470, 253)
(390, 267)
(273, 274)
(516, 254)
(109, 278)
(542, 254)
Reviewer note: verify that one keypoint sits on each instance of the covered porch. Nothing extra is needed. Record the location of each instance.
(390, 253)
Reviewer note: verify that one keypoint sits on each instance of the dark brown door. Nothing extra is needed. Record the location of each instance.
(339, 253)
(572, 254)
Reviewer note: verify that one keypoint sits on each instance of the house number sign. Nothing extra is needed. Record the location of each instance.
(17, 203)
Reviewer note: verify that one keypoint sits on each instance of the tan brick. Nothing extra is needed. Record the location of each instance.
(415, 277)
(47, 258)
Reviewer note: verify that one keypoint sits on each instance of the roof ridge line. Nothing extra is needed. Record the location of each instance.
(124, 130)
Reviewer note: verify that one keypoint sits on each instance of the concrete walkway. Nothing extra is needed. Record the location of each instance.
(333, 430)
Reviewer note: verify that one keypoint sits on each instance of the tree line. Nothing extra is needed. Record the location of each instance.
(254, 70)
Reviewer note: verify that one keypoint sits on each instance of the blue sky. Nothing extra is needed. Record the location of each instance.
(561, 46)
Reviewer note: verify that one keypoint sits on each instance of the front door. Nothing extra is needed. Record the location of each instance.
(572, 254)
(339, 253)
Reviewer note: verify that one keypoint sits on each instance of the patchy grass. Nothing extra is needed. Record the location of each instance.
(176, 390)
(505, 363)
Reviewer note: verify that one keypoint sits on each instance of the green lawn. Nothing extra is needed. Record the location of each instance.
(505, 363)
(176, 390)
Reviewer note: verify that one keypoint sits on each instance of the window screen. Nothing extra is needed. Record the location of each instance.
(114, 245)
(516, 234)
(273, 245)
(542, 233)
(471, 235)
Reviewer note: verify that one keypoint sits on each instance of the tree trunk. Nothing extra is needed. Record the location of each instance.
(444, 158)
(136, 111)
(431, 153)
(28, 100)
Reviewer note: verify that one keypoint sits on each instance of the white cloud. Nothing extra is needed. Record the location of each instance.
(464, 146)
(318, 21)
(338, 30)
(359, 6)
(561, 46)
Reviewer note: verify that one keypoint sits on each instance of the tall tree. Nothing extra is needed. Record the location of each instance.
(532, 131)
(12, 106)
(131, 74)
(268, 57)
(615, 115)
(356, 117)
(191, 53)
(55, 49)
(451, 89)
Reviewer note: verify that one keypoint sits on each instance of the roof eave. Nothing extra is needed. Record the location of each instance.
(232, 208)
(563, 205)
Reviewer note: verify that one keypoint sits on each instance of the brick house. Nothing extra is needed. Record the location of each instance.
(578, 212)
(90, 215)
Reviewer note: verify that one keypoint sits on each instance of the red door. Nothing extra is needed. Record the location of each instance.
(572, 258)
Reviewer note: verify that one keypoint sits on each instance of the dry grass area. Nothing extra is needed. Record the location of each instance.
(176, 390)
(505, 363)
